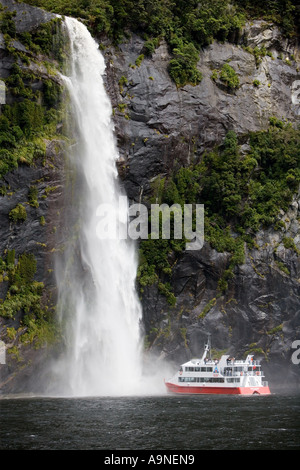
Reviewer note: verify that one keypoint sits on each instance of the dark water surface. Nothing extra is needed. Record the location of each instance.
(151, 422)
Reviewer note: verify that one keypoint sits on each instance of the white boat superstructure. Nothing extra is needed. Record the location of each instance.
(224, 376)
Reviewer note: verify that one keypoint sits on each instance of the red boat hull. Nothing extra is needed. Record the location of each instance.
(217, 390)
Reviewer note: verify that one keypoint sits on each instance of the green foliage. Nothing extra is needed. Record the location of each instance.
(40, 329)
(240, 194)
(229, 77)
(183, 68)
(32, 196)
(139, 60)
(284, 13)
(150, 46)
(253, 188)
(275, 330)
(23, 292)
(199, 23)
(30, 114)
(25, 270)
(22, 126)
(289, 244)
(283, 267)
(7, 23)
(8, 161)
(51, 93)
(24, 296)
(207, 308)
(154, 266)
(16, 82)
(10, 259)
(186, 26)
(123, 81)
(18, 214)
(258, 54)
(27, 121)
(47, 39)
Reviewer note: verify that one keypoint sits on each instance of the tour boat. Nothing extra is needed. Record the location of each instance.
(225, 376)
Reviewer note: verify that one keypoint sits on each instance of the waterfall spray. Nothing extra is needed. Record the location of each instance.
(103, 326)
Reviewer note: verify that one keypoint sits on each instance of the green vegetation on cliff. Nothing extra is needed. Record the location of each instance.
(195, 21)
(28, 121)
(187, 26)
(24, 294)
(33, 112)
(241, 193)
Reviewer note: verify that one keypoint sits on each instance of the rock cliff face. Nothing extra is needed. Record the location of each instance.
(36, 234)
(167, 125)
(159, 128)
(27, 17)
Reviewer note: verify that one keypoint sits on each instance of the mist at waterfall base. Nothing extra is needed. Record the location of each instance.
(100, 311)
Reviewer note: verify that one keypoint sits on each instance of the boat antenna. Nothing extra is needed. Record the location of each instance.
(207, 348)
(209, 344)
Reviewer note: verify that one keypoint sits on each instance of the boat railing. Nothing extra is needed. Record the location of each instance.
(240, 362)
(229, 373)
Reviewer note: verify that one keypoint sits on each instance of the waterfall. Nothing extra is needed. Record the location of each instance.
(100, 310)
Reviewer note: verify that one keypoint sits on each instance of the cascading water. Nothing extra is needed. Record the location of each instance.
(103, 326)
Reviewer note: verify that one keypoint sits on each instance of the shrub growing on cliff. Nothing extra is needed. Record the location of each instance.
(32, 196)
(51, 93)
(183, 68)
(18, 214)
(229, 77)
(25, 270)
(24, 296)
(281, 12)
(7, 23)
(8, 161)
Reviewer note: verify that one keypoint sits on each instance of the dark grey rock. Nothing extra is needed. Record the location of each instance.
(27, 17)
(170, 127)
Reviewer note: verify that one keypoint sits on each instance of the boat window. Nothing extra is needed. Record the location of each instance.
(201, 379)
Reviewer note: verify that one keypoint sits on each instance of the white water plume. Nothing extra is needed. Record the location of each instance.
(103, 325)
